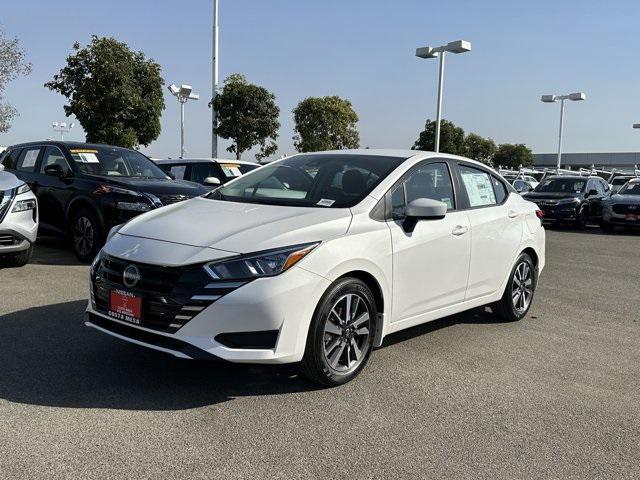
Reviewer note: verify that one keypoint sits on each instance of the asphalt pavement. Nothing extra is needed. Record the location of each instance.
(556, 395)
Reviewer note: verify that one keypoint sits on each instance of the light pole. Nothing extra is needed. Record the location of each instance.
(62, 128)
(214, 86)
(574, 97)
(459, 46)
(182, 93)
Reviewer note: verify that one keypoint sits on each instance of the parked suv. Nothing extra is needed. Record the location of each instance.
(316, 257)
(570, 198)
(18, 220)
(623, 207)
(210, 172)
(84, 189)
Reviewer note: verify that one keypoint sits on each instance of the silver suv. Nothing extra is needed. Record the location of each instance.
(18, 220)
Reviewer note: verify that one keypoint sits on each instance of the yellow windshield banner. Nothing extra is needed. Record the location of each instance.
(83, 150)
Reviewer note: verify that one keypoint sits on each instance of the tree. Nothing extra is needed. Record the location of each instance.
(479, 148)
(325, 123)
(12, 65)
(512, 156)
(451, 138)
(114, 92)
(248, 115)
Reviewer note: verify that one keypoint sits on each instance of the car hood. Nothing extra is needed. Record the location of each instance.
(238, 227)
(156, 186)
(627, 199)
(9, 181)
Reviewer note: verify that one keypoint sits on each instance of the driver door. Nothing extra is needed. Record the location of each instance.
(430, 264)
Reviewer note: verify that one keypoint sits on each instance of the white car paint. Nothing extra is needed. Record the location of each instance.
(23, 225)
(445, 266)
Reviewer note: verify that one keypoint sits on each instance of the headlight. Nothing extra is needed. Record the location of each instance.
(24, 188)
(134, 206)
(567, 201)
(24, 205)
(262, 264)
(112, 189)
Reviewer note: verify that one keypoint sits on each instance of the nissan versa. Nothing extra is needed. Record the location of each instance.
(320, 267)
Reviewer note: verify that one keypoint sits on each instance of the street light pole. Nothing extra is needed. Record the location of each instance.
(183, 93)
(182, 102)
(214, 87)
(459, 46)
(554, 98)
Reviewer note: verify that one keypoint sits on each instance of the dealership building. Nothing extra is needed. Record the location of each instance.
(606, 160)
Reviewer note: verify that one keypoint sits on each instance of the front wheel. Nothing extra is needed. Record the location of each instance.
(340, 337)
(19, 259)
(86, 235)
(518, 295)
(581, 219)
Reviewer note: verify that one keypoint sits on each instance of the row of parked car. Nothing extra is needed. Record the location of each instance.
(83, 190)
(578, 199)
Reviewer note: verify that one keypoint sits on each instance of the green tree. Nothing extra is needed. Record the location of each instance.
(12, 65)
(325, 123)
(512, 156)
(114, 92)
(451, 138)
(479, 148)
(248, 115)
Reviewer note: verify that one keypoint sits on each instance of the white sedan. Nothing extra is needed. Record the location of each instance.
(316, 258)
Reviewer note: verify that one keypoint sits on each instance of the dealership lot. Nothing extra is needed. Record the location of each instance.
(553, 396)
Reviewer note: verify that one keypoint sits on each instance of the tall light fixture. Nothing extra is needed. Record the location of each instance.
(214, 86)
(183, 93)
(459, 46)
(574, 97)
(62, 128)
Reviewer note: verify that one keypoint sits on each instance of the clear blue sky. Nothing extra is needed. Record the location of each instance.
(362, 50)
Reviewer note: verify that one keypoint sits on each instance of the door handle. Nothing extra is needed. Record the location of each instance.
(459, 230)
(512, 214)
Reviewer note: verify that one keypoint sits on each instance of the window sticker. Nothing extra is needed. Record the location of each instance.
(231, 169)
(30, 158)
(479, 189)
(325, 202)
(88, 157)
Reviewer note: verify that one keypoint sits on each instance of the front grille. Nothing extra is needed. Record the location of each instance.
(622, 209)
(171, 296)
(8, 240)
(5, 202)
(171, 199)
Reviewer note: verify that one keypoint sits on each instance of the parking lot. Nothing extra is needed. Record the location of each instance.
(553, 396)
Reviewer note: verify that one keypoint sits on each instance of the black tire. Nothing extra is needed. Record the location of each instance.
(86, 235)
(505, 308)
(316, 364)
(581, 219)
(19, 259)
(607, 227)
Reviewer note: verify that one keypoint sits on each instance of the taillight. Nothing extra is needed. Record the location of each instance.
(540, 214)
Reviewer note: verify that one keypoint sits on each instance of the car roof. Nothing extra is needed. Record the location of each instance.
(171, 161)
(68, 144)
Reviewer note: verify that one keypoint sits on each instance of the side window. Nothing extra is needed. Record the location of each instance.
(592, 185)
(199, 171)
(424, 181)
(178, 171)
(602, 187)
(499, 190)
(10, 159)
(477, 183)
(27, 159)
(53, 156)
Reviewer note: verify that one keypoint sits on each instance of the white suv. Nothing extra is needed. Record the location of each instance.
(18, 220)
(317, 257)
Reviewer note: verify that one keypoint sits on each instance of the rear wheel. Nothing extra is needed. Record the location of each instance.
(86, 235)
(518, 295)
(340, 338)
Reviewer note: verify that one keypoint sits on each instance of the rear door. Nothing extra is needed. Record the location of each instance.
(26, 166)
(496, 229)
(430, 264)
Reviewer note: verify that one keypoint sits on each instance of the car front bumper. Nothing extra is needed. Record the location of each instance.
(18, 230)
(631, 220)
(282, 305)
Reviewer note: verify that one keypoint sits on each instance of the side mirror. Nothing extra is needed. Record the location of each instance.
(592, 192)
(212, 181)
(1, 167)
(54, 170)
(423, 209)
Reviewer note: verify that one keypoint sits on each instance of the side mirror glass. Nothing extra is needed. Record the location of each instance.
(592, 192)
(54, 170)
(212, 181)
(423, 209)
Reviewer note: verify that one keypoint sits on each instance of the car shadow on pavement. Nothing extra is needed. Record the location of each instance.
(48, 357)
(53, 251)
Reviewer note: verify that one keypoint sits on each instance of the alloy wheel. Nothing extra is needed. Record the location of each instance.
(83, 236)
(522, 287)
(347, 330)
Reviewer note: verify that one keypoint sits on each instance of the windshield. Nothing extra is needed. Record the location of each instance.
(327, 180)
(630, 189)
(115, 162)
(561, 185)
